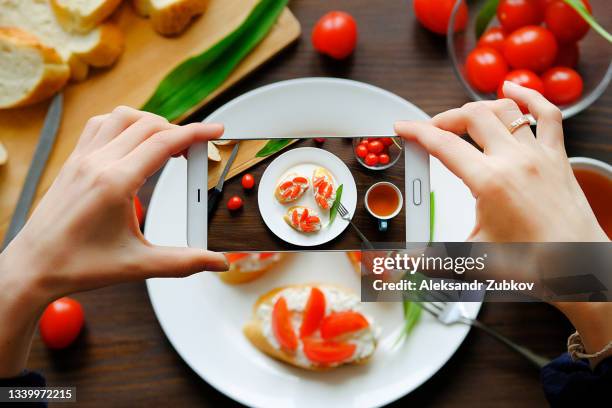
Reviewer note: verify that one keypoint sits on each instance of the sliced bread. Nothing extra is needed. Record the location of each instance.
(29, 70)
(99, 47)
(170, 17)
(82, 16)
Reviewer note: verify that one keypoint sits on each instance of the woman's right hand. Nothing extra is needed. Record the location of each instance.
(524, 186)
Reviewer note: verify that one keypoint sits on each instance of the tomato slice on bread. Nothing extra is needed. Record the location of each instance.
(313, 313)
(328, 352)
(281, 326)
(340, 323)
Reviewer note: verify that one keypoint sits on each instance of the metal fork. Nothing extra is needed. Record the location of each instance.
(451, 312)
(344, 214)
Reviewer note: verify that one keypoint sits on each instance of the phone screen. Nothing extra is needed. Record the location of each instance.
(299, 194)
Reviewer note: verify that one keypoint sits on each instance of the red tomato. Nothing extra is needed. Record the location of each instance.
(61, 323)
(281, 325)
(319, 140)
(567, 56)
(562, 85)
(140, 215)
(235, 256)
(328, 352)
(387, 141)
(514, 14)
(376, 147)
(361, 150)
(543, 4)
(531, 47)
(339, 323)
(335, 34)
(435, 14)
(485, 69)
(313, 313)
(565, 23)
(523, 77)
(371, 159)
(494, 38)
(384, 158)
(234, 203)
(248, 181)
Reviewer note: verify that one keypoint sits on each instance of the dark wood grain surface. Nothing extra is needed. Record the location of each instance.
(124, 359)
(230, 230)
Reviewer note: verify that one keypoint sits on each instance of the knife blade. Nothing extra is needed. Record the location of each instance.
(215, 194)
(39, 161)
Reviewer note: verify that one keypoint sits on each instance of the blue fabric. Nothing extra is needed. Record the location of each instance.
(572, 383)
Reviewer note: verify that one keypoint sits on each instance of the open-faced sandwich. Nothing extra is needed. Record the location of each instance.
(245, 267)
(355, 258)
(303, 219)
(290, 188)
(323, 188)
(316, 327)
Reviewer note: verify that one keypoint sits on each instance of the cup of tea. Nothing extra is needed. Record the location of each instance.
(384, 201)
(595, 179)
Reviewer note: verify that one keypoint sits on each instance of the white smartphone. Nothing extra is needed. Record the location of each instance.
(387, 198)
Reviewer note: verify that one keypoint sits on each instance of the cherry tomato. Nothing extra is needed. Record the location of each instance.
(565, 23)
(235, 256)
(494, 38)
(371, 159)
(328, 352)
(313, 313)
(562, 85)
(376, 147)
(234, 203)
(361, 150)
(531, 47)
(339, 323)
(384, 158)
(523, 77)
(387, 141)
(543, 4)
(485, 69)
(434, 15)
(281, 325)
(514, 14)
(61, 323)
(319, 140)
(140, 215)
(335, 34)
(248, 181)
(567, 56)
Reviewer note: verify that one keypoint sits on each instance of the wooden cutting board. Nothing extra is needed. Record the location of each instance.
(148, 57)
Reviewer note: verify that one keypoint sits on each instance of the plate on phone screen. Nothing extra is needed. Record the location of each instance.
(303, 161)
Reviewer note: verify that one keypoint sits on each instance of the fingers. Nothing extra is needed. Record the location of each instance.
(508, 111)
(135, 134)
(117, 121)
(549, 127)
(463, 159)
(178, 262)
(151, 154)
(89, 132)
(477, 120)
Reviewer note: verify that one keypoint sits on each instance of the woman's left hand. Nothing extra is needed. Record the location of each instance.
(84, 233)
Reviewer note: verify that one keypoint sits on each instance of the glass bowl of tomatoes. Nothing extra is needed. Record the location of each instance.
(378, 153)
(541, 44)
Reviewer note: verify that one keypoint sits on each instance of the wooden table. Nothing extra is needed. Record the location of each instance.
(247, 222)
(125, 360)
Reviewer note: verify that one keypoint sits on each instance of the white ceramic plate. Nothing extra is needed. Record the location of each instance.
(303, 161)
(203, 318)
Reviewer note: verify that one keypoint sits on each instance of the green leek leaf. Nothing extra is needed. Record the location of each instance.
(273, 146)
(334, 208)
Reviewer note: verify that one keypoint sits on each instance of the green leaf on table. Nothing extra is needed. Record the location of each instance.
(432, 215)
(584, 13)
(273, 146)
(334, 208)
(485, 15)
(197, 77)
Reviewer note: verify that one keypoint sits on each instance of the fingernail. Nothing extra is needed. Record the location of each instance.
(511, 84)
(218, 127)
(217, 262)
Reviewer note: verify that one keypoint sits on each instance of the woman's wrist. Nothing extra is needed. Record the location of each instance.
(21, 304)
